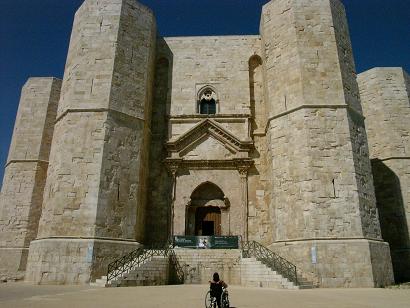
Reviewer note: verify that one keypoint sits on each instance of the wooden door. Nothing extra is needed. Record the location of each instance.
(205, 216)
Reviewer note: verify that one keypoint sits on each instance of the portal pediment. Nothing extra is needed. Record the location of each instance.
(207, 148)
(208, 141)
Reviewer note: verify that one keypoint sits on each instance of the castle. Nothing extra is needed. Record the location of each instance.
(269, 137)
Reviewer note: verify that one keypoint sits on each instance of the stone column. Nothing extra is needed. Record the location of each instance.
(385, 96)
(322, 186)
(94, 201)
(173, 170)
(243, 173)
(25, 175)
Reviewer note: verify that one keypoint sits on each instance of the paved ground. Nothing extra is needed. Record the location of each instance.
(191, 296)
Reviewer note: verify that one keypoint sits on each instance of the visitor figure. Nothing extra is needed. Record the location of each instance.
(217, 286)
(202, 243)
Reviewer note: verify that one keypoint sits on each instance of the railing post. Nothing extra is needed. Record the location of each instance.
(296, 277)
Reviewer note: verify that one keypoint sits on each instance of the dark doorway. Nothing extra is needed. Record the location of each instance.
(208, 227)
(393, 222)
(208, 221)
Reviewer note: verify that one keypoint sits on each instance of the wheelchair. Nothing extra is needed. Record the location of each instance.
(210, 301)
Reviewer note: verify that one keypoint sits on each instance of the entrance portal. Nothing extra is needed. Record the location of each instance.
(207, 212)
(208, 221)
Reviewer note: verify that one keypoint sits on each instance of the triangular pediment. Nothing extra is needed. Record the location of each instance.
(207, 148)
(205, 136)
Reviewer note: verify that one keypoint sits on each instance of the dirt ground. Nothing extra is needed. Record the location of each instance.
(21, 294)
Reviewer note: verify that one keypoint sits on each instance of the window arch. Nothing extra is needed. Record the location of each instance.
(207, 100)
(207, 191)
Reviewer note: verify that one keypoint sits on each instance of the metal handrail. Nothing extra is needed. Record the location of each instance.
(180, 274)
(270, 259)
(138, 257)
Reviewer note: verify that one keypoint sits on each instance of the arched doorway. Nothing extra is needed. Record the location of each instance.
(206, 210)
(208, 221)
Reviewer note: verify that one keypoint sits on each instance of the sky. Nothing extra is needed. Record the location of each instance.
(34, 37)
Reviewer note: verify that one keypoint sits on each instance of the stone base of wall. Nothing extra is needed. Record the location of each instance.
(350, 263)
(13, 263)
(73, 260)
(200, 264)
(401, 264)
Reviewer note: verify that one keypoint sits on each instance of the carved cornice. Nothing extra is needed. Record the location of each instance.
(241, 164)
(173, 165)
(210, 116)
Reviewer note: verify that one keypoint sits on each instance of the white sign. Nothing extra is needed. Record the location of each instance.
(313, 254)
(89, 257)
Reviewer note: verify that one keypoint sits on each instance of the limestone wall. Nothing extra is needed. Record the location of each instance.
(321, 175)
(25, 175)
(385, 96)
(159, 193)
(96, 187)
(221, 61)
(260, 193)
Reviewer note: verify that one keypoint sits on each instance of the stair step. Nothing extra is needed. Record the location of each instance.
(195, 262)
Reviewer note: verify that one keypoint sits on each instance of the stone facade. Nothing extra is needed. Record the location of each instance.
(259, 136)
(385, 94)
(96, 183)
(26, 171)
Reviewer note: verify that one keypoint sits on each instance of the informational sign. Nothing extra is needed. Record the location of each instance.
(313, 253)
(225, 242)
(207, 242)
(186, 241)
(89, 257)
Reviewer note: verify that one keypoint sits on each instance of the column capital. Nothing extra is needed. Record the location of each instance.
(173, 165)
(243, 167)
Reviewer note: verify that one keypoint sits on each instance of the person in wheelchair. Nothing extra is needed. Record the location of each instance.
(217, 288)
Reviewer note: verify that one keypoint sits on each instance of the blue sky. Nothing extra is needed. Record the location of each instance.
(34, 37)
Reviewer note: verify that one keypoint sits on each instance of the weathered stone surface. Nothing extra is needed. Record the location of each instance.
(259, 136)
(96, 183)
(344, 262)
(25, 175)
(321, 175)
(385, 95)
(73, 260)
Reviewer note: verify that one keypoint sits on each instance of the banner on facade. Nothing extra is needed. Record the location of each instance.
(207, 242)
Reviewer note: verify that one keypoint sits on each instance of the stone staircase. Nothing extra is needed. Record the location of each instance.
(155, 271)
(256, 274)
(200, 264)
(197, 266)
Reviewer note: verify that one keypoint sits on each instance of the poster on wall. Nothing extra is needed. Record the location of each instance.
(207, 242)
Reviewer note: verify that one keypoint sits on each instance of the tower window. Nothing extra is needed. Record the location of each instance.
(207, 102)
(207, 107)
